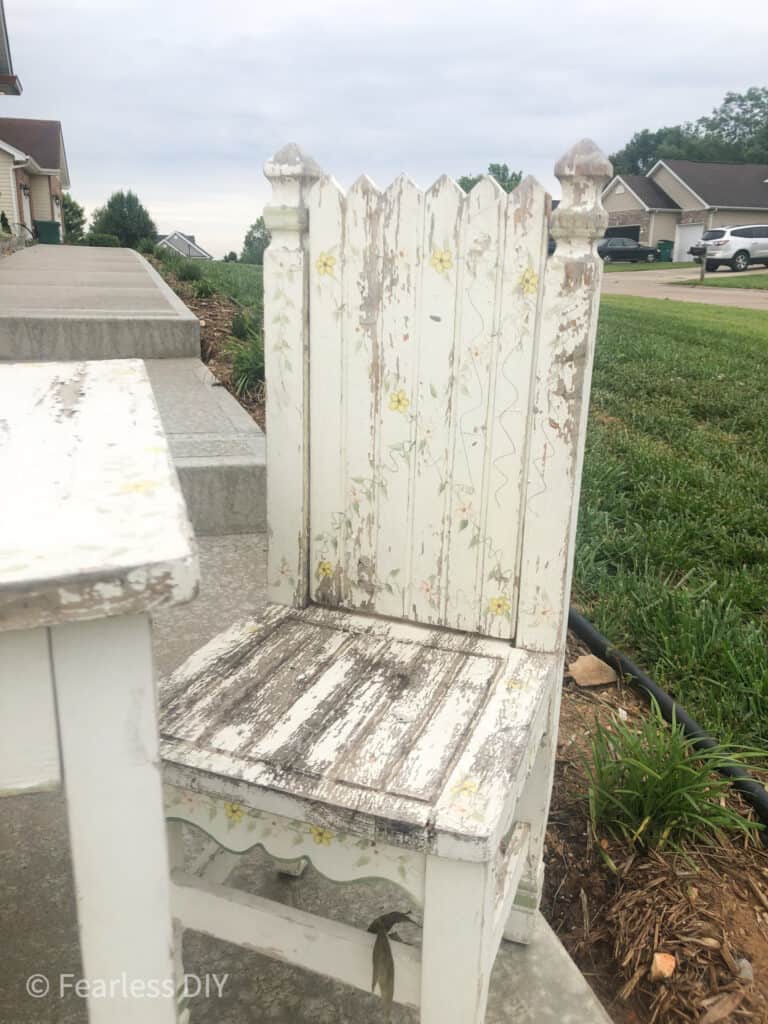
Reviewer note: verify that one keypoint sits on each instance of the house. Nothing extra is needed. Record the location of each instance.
(184, 245)
(33, 172)
(9, 83)
(679, 199)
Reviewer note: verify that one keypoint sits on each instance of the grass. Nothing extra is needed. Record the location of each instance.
(239, 281)
(651, 788)
(672, 550)
(618, 268)
(732, 281)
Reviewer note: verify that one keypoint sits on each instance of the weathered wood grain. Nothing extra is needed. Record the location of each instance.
(92, 520)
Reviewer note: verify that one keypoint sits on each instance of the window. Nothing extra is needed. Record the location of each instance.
(709, 236)
(761, 231)
(742, 233)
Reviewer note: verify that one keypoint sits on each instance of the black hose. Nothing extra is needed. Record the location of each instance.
(752, 790)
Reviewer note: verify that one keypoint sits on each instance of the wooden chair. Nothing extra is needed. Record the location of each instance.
(394, 713)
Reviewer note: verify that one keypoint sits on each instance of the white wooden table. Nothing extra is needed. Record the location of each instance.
(93, 536)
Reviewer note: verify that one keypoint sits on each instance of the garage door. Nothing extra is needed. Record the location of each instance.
(625, 232)
(686, 235)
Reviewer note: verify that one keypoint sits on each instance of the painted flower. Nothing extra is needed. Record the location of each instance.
(321, 835)
(464, 511)
(426, 588)
(233, 811)
(529, 282)
(324, 569)
(499, 605)
(399, 401)
(441, 260)
(466, 788)
(325, 263)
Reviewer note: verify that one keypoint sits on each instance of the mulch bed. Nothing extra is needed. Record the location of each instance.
(708, 908)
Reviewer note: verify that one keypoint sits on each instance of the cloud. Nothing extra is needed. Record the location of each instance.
(184, 102)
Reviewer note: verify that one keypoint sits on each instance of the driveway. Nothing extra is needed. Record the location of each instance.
(661, 284)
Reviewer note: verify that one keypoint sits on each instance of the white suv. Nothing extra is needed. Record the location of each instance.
(737, 247)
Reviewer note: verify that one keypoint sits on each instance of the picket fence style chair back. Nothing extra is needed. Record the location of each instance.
(394, 713)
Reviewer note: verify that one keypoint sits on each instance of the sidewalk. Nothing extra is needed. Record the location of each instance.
(661, 284)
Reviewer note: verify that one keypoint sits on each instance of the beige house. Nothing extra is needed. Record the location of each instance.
(33, 172)
(680, 199)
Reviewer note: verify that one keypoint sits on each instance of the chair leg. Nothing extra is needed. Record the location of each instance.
(456, 958)
(534, 809)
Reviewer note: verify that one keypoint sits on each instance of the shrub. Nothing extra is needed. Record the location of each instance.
(146, 246)
(241, 326)
(101, 238)
(247, 364)
(165, 255)
(652, 788)
(204, 289)
(188, 270)
(4, 225)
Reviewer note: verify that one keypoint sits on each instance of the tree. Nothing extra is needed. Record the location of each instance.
(230, 257)
(73, 215)
(256, 240)
(501, 172)
(735, 132)
(125, 217)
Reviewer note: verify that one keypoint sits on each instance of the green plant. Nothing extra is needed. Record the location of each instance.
(247, 363)
(241, 325)
(146, 246)
(187, 270)
(124, 216)
(651, 788)
(4, 225)
(73, 216)
(204, 289)
(102, 239)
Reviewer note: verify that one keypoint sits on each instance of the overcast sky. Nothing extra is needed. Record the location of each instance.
(182, 102)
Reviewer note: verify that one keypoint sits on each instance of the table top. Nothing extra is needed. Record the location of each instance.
(92, 519)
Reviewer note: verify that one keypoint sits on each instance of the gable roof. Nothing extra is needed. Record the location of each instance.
(183, 244)
(42, 140)
(726, 186)
(648, 192)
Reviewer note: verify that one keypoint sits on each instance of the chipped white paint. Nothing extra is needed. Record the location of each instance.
(92, 528)
(428, 374)
(92, 521)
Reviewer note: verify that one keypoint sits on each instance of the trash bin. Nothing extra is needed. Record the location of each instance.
(48, 232)
(665, 250)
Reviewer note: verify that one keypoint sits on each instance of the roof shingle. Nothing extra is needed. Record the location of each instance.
(741, 186)
(39, 139)
(649, 192)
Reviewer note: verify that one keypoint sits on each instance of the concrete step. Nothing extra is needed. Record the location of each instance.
(219, 452)
(82, 302)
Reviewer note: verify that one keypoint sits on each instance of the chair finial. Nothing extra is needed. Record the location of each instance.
(582, 172)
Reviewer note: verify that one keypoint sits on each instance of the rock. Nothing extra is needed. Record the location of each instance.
(745, 970)
(663, 966)
(588, 670)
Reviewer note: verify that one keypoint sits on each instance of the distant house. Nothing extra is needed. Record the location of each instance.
(184, 245)
(33, 172)
(9, 83)
(679, 199)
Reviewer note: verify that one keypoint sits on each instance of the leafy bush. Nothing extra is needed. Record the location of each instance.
(247, 363)
(652, 788)
(204, 289)
(101, 238)
(146, 246)
(188, 270)
(4, 225)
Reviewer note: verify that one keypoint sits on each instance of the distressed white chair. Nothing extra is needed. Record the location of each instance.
(394, 712)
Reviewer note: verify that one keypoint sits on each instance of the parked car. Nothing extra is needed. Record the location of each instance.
(626, 250)
(737, 247)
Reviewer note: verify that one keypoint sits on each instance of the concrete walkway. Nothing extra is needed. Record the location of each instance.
(664, 284)
(80, 302)
(538, 984)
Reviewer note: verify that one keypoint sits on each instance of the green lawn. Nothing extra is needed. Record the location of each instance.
(238, 281)
(618, 268)
(672, 551)
(729, 280)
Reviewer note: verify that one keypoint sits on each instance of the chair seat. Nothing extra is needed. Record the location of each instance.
(413, 735)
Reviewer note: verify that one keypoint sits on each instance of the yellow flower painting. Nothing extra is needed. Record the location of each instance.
(325, 263)
(529, 282)
(324, 570)
(499, 605)
(441, 260)
(321, 835)
(399, 401)
(233, 811)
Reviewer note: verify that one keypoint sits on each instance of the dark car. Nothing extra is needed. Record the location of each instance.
(626, 250)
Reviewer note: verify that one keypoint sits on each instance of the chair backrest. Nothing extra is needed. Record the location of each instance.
(428, 367)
